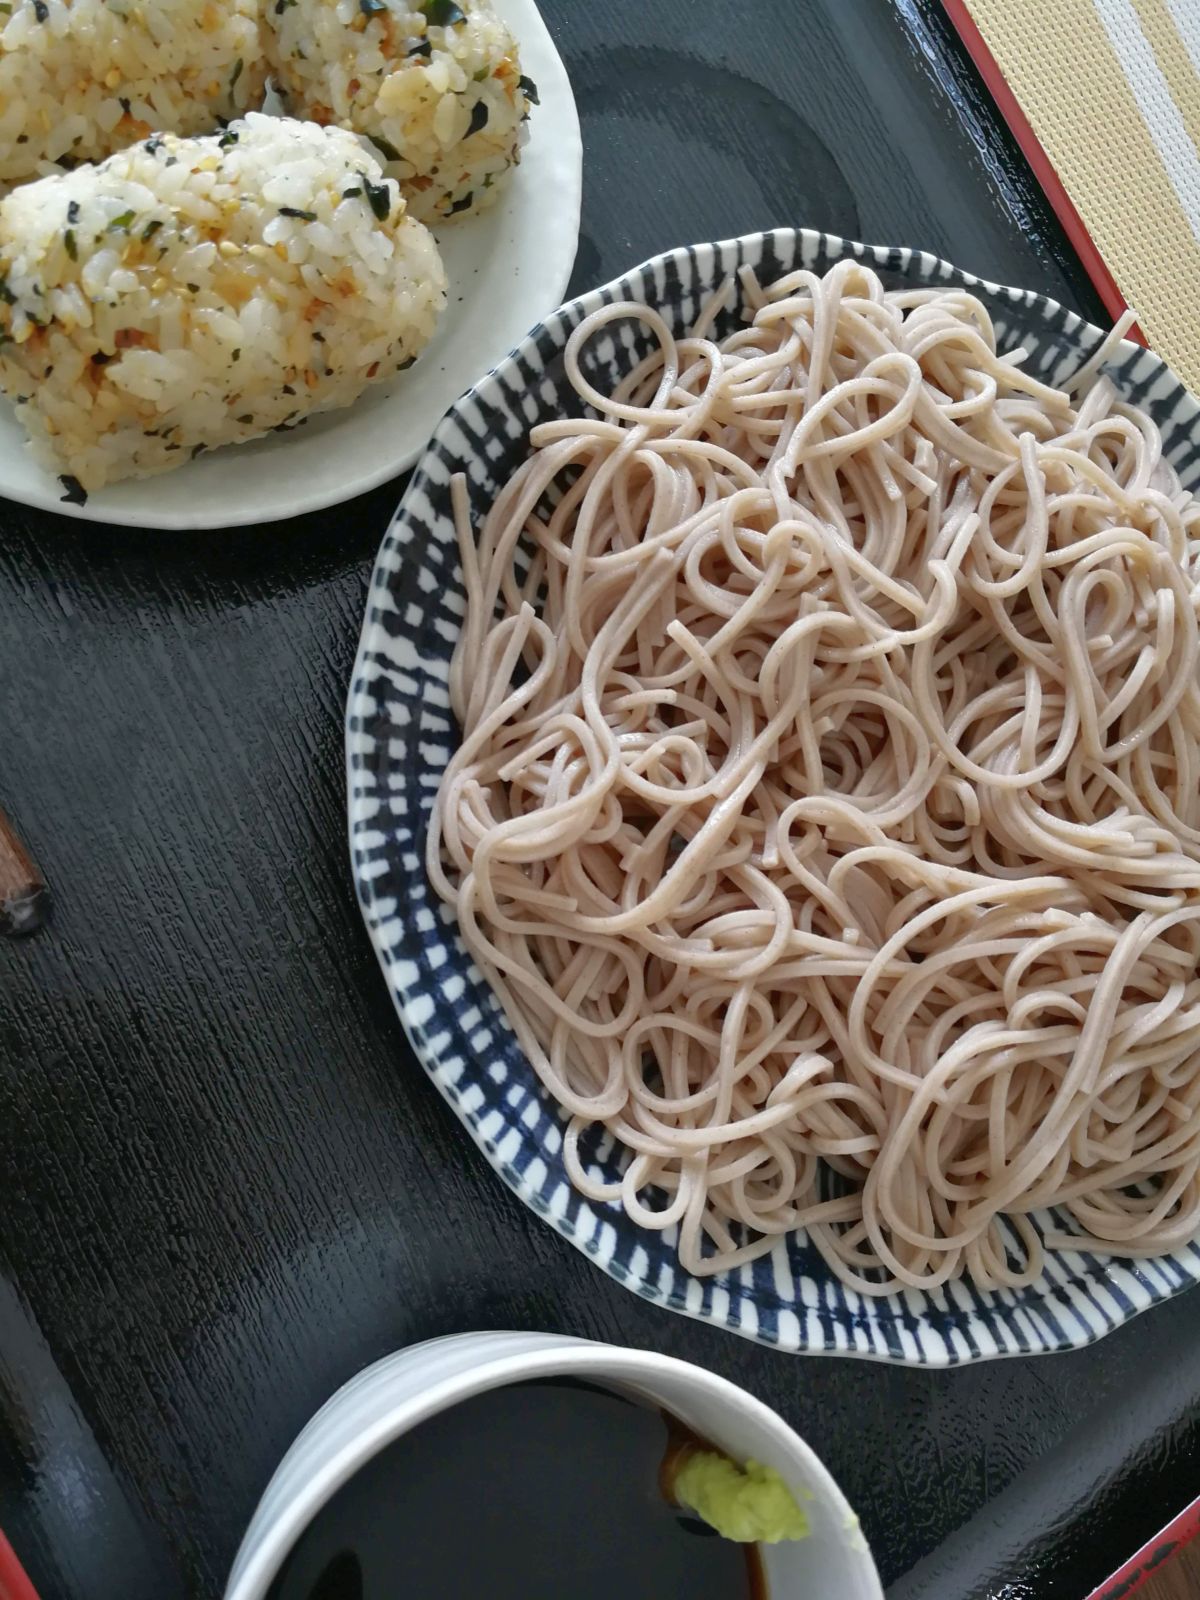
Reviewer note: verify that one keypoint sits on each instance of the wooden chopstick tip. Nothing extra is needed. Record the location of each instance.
(24, 897)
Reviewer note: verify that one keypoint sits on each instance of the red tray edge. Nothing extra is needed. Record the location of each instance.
(1167, 1542)
(14, 1585)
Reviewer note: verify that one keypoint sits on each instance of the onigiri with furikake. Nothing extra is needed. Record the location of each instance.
(437, 87)
(189, 293)
(82, 78)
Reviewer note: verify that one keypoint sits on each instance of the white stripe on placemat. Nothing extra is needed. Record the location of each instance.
(1186, 16)
(1159, 111)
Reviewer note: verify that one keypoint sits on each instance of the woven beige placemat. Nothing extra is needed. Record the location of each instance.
(1111, 90)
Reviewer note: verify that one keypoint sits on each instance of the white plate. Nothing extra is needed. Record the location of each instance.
(508, 268)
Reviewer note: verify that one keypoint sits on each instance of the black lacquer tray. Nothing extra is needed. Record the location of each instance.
(225, 1183)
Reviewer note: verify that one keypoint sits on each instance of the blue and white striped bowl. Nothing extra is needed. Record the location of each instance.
(399, 734)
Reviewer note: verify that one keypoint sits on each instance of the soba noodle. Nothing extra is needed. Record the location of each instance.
(827, 815)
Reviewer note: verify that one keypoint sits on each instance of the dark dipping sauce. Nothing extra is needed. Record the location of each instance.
(540, 1491)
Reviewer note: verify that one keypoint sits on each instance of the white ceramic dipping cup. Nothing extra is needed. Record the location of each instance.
(403, 1390)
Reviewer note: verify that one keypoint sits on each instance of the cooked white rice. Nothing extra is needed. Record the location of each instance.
(437, 87)
(190, 293)
(82, 78)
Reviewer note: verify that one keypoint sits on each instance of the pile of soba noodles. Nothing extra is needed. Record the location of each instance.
(827, 816)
